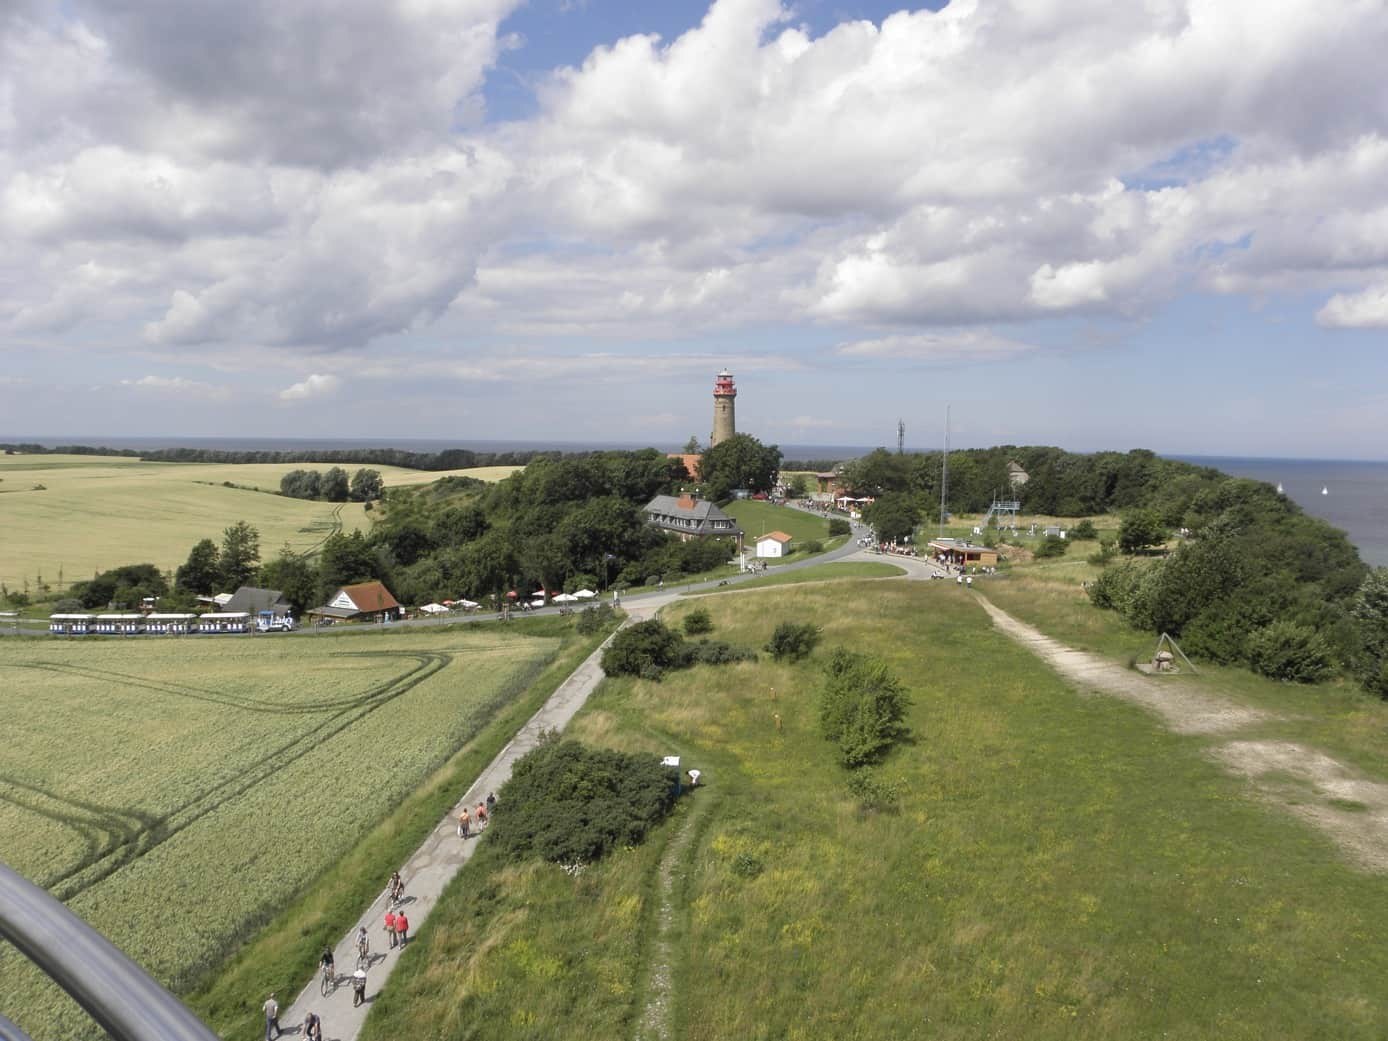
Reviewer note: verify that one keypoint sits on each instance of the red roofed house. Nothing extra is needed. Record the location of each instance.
(773, 544)
(363, 602)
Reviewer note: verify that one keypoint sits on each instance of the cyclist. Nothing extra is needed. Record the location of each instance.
(327, 963)
(313, 1028)
(363, 944)
(397, 886)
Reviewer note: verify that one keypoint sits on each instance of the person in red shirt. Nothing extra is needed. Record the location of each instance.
(402, 927)
(390, 926)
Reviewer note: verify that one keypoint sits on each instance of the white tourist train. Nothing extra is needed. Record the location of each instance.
(129, 624)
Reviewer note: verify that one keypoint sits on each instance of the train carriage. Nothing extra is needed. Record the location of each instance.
(70, 624)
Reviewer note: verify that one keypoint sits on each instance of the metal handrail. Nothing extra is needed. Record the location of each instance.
(127, 1003)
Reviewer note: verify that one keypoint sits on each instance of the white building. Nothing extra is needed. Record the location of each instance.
(773, 544)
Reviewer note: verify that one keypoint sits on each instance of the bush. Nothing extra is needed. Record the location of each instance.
(1052, 546)
(644, 649)
(588, 621)
(698, 622)
(745, 865)
(862, 707)
(792, 641)
(1104, 554)
(568, 803)
(839, 526)
(873, 793)
(1287, 651)
(1084, 530)
(715, 652)
(648, 649)
(813, 546)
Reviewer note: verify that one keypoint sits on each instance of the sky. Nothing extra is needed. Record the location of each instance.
(1157, 224)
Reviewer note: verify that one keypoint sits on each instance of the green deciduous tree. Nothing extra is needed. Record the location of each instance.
(366, 485)
(893, 516)
(335, 486)
(294, 575)
(1140, 530)
(739, 462)
(240, 554)
(1287, 651)
(202, 571)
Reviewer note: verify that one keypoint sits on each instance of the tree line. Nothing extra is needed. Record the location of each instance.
(447, 459)
(333, 485)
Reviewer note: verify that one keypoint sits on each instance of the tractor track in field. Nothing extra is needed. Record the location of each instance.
(115, 837)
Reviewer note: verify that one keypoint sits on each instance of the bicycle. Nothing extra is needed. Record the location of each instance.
(363, 955)
(328, 984)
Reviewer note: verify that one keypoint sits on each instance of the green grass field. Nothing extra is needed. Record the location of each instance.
(98, 512)
(757, 518)
(178, 793)
(1060, 866)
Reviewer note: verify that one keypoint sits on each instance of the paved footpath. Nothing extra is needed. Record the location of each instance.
(435, 863)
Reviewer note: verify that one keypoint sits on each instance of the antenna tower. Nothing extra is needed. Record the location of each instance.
(944, 474)
(900, 436)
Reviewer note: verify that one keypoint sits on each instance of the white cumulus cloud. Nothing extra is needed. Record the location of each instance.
(317, 385)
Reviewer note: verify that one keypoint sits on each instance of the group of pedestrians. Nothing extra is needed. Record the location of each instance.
(477, 820)
(397, 926)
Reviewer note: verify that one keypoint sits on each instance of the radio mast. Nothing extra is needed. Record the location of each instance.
(944, 475)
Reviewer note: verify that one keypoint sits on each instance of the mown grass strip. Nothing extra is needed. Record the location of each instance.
(282, 956)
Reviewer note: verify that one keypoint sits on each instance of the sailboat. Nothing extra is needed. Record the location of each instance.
(1325, 490)
(1279, 487)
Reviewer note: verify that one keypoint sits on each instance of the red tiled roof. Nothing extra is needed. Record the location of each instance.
(370, 596)
(779, 536)
(690, 461)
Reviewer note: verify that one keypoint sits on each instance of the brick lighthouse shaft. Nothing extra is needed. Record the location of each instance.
(724, 397)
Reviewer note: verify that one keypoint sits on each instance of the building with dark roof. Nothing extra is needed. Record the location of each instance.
(691, 518)
(255, 602)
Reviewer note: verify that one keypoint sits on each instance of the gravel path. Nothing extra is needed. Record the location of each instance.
(441, 856)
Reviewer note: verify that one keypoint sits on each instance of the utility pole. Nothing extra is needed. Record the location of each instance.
(944, 474)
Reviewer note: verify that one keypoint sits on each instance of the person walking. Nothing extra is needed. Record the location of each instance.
(272, 1017)
(390, 928)
(464, 824)
(402, 928)
(358, 987)
(481, 813)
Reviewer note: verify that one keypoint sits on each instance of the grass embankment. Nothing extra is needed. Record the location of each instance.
(757, 518)
(1060, 866)
(284, 954)
(819, 573)
(1336, 716)
(98, 512)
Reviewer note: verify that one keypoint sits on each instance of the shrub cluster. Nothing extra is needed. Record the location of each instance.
(648, 649)
(874, 793)
(862, 707)
(698, 622)
(592, 619)
(838, 526)
(792, 641)
(568, 803)
(1052, 546)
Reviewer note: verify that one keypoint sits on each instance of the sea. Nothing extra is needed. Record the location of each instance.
(1355, 497)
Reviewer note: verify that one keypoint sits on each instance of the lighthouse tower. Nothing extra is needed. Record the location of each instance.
(724, 395)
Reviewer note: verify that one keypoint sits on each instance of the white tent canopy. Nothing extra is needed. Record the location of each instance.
(434, 609)
(566, 598)
(584, 594)
(466, 605)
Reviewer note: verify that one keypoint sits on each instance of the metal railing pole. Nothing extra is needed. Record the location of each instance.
(127, 1003)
